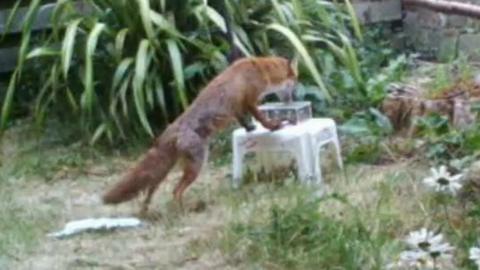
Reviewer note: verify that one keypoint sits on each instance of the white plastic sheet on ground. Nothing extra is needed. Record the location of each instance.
(95, 224)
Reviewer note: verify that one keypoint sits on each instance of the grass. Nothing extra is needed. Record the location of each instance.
(359, 224)
(441, 78)
(288, 227)
(21, 224)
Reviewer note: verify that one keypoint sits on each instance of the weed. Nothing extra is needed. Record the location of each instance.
(442, 142)
(449, 75)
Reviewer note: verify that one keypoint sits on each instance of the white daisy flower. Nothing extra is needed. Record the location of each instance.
(427, 251)
(431, 243)
(442, 181)
(475, 255)
(412, 260)
(415, 259)
(442, 251)
(423, 239)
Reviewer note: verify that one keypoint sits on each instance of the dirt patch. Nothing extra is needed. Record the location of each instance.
(163, 243)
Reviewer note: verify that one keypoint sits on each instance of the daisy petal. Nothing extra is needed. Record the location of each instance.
(443, 170)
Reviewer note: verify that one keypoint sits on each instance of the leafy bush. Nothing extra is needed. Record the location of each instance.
(443, 142)
(125, 65)
(366, 125)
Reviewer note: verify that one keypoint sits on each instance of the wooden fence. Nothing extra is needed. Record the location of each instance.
(9, 51)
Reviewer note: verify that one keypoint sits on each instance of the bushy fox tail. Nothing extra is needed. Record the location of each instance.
(148, 173)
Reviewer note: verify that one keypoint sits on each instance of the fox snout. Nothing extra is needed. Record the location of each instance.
(286, 95)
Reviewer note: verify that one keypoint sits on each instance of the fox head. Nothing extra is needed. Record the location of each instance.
(282, 77)
(290, 83)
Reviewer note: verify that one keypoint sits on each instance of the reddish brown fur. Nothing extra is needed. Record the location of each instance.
(228, 97)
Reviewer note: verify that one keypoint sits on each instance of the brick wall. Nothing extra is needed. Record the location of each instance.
(442, 36)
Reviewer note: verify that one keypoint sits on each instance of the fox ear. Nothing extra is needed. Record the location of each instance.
(293, 64)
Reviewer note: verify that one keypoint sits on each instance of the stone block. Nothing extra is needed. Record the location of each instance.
(469, 44)
(420, 40)
(447, 45)
(378, 11)
(457, 21)
(410, 19)
(473, 25)
(439, 44)
(431, 19)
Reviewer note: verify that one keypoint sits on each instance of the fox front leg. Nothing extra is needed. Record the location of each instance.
(245, 122)
(270, 124)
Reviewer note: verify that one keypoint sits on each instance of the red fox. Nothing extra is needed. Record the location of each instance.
(232, 95)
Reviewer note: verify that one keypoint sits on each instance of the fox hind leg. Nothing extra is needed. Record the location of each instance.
(191, 171)
(194, 156)
(148, 198)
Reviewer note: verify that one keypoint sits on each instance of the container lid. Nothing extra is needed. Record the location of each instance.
(280, 105)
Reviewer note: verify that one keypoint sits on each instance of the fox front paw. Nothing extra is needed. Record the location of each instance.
(250, 127)
(274, 125)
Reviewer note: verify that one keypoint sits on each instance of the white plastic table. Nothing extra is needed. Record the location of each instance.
(304, 141)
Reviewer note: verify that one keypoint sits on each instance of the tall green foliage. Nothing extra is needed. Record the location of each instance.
(127, 65)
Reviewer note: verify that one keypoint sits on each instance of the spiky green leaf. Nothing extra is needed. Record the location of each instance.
(7, 102)
(42, 52)
(120, 42)
(142, 63)
(92, 40)
(68, 45)
(177, 67)
(306, 57)
(144, 6)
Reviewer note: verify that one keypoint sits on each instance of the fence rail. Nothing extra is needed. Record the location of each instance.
(8, 55)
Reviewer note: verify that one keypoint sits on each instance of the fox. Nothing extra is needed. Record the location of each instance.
(232, 96)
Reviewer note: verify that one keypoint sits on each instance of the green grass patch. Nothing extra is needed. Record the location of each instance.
(22, 226)
(297, 234)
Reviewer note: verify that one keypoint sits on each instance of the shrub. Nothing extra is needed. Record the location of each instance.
(127, 67)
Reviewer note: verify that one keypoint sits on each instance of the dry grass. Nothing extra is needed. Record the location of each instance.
(162, 244)
(390, 199)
